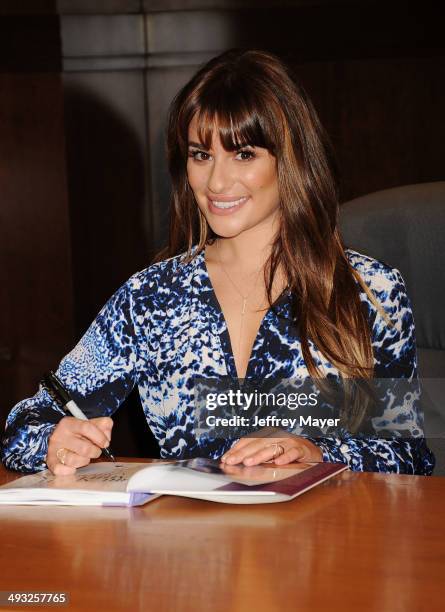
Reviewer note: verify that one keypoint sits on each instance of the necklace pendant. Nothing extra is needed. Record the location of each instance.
(243, 311)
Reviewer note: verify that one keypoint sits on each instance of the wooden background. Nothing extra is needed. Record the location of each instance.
(84, 91)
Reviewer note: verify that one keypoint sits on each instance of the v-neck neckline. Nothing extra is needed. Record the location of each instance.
(226, 344)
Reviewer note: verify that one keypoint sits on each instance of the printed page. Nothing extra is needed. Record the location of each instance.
(94, 477)
(203, 475)
(247, 475)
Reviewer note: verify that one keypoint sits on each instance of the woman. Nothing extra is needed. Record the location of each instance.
(255, 283)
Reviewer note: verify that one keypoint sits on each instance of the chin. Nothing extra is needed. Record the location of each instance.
(225, 230)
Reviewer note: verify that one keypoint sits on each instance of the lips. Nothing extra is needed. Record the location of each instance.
(225, 205)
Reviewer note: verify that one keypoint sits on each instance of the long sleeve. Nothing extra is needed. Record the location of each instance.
(395, 357)
(99, 372)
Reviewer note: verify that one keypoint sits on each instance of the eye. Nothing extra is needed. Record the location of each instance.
(245, 154)
(199, 155)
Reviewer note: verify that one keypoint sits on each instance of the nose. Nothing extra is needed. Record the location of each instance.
(220, 178)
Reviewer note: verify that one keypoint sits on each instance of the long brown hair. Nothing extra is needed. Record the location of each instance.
(252, 99)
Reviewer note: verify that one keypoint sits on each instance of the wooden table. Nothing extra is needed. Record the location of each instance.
(358, 542)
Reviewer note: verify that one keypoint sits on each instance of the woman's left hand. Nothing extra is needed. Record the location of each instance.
(277, 450)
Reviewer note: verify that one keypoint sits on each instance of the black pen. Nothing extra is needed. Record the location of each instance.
(51, 381)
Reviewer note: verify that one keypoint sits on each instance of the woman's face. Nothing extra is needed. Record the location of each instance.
(237, 191)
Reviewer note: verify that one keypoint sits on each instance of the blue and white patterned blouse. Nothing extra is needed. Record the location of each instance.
(164, 326)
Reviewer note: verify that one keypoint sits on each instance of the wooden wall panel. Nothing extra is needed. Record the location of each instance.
(106, 149)
(36, 319)
(35, 271)
(384, 117)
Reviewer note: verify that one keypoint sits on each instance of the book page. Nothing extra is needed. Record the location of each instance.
(205, 475)
(247, 475)
(94, 477)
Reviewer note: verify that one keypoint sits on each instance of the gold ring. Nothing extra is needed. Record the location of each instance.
(61, 457)
(276, 453)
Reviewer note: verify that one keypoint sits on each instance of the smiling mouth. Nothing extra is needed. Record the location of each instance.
(230, 204)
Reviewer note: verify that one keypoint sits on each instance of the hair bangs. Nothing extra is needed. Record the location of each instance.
(237, 123)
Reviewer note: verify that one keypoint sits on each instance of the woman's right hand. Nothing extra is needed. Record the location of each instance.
(76, 442)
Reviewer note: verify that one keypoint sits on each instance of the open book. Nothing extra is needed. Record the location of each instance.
(133, 484)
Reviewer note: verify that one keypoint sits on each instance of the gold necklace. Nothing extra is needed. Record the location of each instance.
(244, 297)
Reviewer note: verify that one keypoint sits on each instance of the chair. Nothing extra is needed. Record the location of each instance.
(405, 228)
